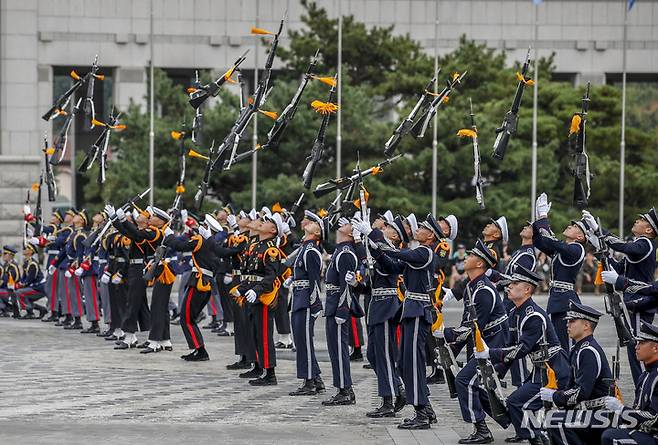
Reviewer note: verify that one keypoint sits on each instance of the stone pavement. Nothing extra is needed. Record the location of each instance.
(61, 387)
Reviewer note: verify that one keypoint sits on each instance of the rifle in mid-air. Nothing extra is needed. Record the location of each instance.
(580, 167)
(477, 180)
(344, 182)
(199, 93)
(420, 126)
(99, 148)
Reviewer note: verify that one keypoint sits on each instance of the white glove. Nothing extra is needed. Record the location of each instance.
(121, 215)
(590, 220)
(168, 231)
(484, 354)
(51, 270)
(109, 209)
(232, 221)
(609, 276)
(183, 215)
(350, 278)
(26, 210)
(439, 333)
(546, 394)
(593, 240)
(67, 274)
(356, 234)
(205, 233)
(79, 271)
(448, 295)
(51, 237)
(228, 279)
(339, 320)
(34, 241)
(105, 278)
(361, 226)
(287, 282)
(29, 231)
(613, 404)
(251, 296)
(373, 245)
(542, 206)
(116, 278)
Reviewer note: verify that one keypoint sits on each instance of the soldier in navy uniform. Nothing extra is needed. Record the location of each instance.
(87, 273)
(566, 260)
(74, 257)
(8, 280)
(495, 236)
(31, 286)
(417, 266)
(645, 408)
(638, 263)
(59, 265)
(46, 241)
(589, 382)
(492, 318)
(306, 305)
(344, 260)
(533, 336)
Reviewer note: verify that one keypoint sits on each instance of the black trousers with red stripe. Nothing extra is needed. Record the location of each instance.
(356, 332)
(193, 303)
(262, 318)
(245, 331)
(160, 312)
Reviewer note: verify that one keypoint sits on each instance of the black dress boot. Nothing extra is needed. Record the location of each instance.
(76, 325)
(42, 311)
(255, 372)
(200, 355)
(319, 385)
(187, 356)
(93, 329)
(481, 434)
(268, 379)
(356, 355)
(54, 316)
(436, 377)
(400, 400)
(213, 323)
(386, 409)
(515, 439)
(344, 396)
(240, 364)
(307, 389)
(419, 422)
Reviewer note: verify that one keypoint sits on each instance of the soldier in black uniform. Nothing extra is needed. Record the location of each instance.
(118, 252)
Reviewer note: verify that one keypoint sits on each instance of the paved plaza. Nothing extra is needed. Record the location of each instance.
(61, 387)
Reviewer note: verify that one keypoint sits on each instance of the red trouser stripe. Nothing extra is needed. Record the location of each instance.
(53, 292)
(212, 305)
(77, 293)
(188, 318)
(355, 334)
(398, 334)
(94, 295)
(266, 353)
(22, 301)
(68, 297)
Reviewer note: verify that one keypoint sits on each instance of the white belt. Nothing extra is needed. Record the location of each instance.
(252, 278)
(52, 252)
(137, 261)
(301, 284)
(102, 261)
(592, 404)
(121, 260)
(417, 296)
(562, 285)
(205, 272)
(332, 287)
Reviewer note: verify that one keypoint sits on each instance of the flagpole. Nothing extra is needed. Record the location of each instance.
(622, 144)
(435, 127)
(151, 116)
(254, 139)
(339, 88)
(533, 186)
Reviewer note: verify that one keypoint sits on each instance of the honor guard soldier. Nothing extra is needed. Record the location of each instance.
(644, 412)
(282, 318)
(306, 305)
(566, 260)
(8, 279)
(118, 256)
(495, 236)
(87, 273)
(343, 263)
(102, 256)
(589, 382)
(46, 241)
(59, 265)
(259, 286)
(638, 263)
(533, 336)
(491, 315)
(74, 257)
(31, 286)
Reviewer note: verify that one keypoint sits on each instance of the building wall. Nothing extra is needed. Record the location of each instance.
(36, 35)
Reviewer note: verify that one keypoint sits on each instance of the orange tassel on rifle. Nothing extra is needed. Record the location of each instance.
(180, 189)
(190, 90)
(377, 170)
(177, 135)
(97, 123)
(331, 81)
(271, 114)
(575, 124)
(119, 127)
(598, 279)
(467, 132)
(50, 151)
(528, 82)
(357, 202)
(322, 213)
(261, 31)
(324, 107)
(75, 75)
(550, 378)
(195, 154)
(35, 187)
(276, 208)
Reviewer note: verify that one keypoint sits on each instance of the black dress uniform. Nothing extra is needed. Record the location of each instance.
(566, 261)
(118, 256)
(645, 408)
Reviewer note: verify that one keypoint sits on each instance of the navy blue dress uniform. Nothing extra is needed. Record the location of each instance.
(59, 267)
(74, 257)
(101, 258)
(306, 307)
(47, 241)
(566, 261)
(338, 312)
(530, 328)
(645, 407)
(31, 286)
(589, 382)
(382, 322)
(9, 276)
(492, 320)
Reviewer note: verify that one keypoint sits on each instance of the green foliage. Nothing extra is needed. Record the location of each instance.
(384, 74)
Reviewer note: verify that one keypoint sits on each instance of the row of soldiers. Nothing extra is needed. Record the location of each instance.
(398, 264)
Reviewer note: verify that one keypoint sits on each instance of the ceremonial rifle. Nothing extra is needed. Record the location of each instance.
(342, 183)
(363, 207)
(180, 136)
(326, 109)
(613, 388)
(38, 212)
(200, 93)
(580, 167)
(197, 123)
(548, 378)
(88, 103)
(297, 203)
(95, 236)
(49, 176)
(99, 148)
(511, 119)
(26, 223)
(477, 180)
(405, 126)
(63, 100)
(61, 141)
(203, 186)
(488, 374)
(443, 352)
(418, 129)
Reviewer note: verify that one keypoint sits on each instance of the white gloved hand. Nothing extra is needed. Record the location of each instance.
(439, 333)
(590, 220)
(448, 295)
(251, 296)
(228, 279)
(116, 278)
(183, 215)
(79, 271)
(361, 226)
(67, 274)
(485, 352)
(105, 278)
(350, 278)
(34, 241)
(51, 237)
(51, 270)
(232, 221)
(26, 210)
(609, 276)
(546, 394)
(168, 232)
(542, 206)
(121, 215)
(593, 240)
(29, 231)
(613, 404)
(288, 282)
(356, 234)
(109, 209)
(339, 320)
(205, 233)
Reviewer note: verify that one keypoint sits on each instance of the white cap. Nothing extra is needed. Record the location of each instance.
(213, 224)
(454, 226)
(501, 223)
(413, 223)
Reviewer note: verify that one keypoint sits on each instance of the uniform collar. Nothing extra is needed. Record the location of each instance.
(527, 303)
(589, 338)
(651, 366)
(345, 243)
